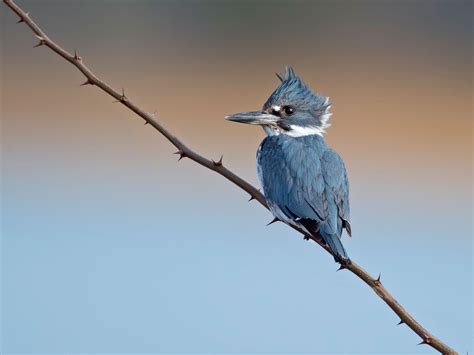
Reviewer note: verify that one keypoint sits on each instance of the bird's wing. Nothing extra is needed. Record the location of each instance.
(335, 176)
(305, 180)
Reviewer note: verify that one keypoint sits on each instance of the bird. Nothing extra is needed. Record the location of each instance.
(304, 181)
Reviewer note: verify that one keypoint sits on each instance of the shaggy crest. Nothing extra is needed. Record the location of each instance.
(293, 91)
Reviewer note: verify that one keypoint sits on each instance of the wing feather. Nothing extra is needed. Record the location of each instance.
(335, 177)
(306, 180)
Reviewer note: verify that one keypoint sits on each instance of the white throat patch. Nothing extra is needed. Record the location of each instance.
(298, 131)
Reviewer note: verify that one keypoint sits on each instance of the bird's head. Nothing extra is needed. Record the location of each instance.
(292, 109)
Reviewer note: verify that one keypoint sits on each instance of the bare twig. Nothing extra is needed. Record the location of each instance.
(218, 167)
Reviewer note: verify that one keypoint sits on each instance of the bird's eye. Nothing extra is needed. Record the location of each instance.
(288, 110)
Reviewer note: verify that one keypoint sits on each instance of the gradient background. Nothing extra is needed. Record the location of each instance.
(109, 245)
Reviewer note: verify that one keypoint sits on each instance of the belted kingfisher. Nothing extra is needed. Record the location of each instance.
(304, 181)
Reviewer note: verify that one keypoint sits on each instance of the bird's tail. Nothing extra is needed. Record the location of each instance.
(337, 249)
(331, 239)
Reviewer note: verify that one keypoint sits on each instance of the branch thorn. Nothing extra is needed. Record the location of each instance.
(20, 20)
(251, 198)
(41, 41)
(122, 98)
(401, 322)
(181, 154)
(276, 219)
(425, 341)
(76, 56)
(377, 281)
(87, 82)
(341, 267)
(219, 162)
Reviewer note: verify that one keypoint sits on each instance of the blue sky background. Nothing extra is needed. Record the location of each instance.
(110, 246)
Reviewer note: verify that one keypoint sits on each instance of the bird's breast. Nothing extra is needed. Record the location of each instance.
(285, 163)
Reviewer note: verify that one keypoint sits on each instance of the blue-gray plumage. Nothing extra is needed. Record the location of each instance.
(303, 180)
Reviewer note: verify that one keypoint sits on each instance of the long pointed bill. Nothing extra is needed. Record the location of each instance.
(256, 117)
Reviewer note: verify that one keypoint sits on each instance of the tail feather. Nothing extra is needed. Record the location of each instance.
(332, 240)
(336, 247)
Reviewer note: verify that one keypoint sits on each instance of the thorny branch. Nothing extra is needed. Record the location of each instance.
(218, 167)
